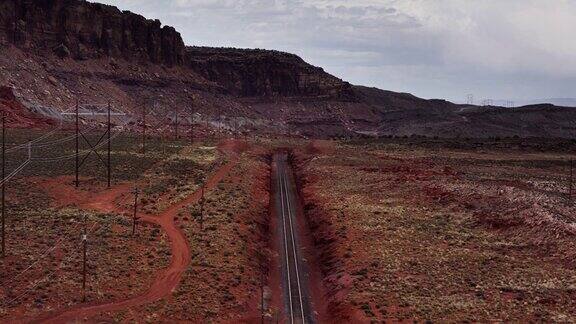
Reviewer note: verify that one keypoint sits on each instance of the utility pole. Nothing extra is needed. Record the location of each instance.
(191, 126)
(176, 127)
(162, 144)
(3, 183)
(15, 25)
(135, 210)
(144, 130)
(109, 146)
(570, 189)
(93, 147)
(84, 243)
(262, 297)
(202, 208)
(77, 143)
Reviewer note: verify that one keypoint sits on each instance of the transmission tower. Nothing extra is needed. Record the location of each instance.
(93, 147)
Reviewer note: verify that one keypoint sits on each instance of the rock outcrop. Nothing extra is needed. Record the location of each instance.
(72, 49)
(263, 73)
(86, 30)
(83, 30)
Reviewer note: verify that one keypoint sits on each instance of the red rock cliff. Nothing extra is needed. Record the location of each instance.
(86, 30)
(83, 30)
(264, 73)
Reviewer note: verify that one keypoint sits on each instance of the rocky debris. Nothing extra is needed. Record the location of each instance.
(62, 51)
(17, 114)
(52, 80)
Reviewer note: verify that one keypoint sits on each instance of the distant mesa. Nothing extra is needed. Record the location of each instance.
(76, 49)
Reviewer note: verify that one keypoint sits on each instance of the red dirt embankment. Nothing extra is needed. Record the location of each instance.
(328, 243)
(18, 116)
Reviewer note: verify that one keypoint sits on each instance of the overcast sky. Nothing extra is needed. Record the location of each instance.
(500, 49)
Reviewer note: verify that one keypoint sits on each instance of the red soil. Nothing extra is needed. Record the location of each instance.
(167, 280)
(307, 241)
(319, 147)
(328, 247)
(232, 146)
(260, 196)
(18, 116)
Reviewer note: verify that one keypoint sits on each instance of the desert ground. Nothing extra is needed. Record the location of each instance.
(150, 177)
(387, 230)
(448, 231)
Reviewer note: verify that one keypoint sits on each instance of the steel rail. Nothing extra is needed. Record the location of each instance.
(285, 240)
(290, 217)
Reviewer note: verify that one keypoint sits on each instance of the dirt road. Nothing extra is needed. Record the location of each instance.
(296, 293)
(167, 280)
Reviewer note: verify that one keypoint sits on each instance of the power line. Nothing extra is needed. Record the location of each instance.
(48, 251)
(51, 249)
(39, 159)
(48, 276)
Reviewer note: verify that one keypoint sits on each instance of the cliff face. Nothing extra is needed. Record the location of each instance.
(86, 30)
(83, 30)
(110, 52)
(262, 73)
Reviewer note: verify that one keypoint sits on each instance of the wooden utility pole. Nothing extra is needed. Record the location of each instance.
(15, 26)
(93, 148)
(85, 246)
(202, 208)
(77, 143)
(144, 112)
(109, 147)
(176, 127)
(191, 126)
(262, 296)
(3, 183)
(571, 185)
(135, 210)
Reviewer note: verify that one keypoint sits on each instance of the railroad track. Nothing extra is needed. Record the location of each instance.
(297, 304)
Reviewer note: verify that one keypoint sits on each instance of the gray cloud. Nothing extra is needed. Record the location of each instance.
(432, 48)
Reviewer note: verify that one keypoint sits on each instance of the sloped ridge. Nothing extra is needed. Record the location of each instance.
(17, 115)
(110, 53)
(402, 114)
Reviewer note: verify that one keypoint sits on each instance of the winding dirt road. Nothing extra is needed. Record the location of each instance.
(168, 279)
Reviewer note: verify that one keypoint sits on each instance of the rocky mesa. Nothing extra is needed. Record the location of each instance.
(54, 52)
(84, 30)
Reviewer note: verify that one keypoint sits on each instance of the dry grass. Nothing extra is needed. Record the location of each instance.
(221, 281)
(44, 265)
(450, 235)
